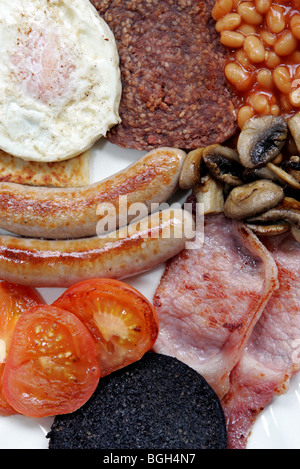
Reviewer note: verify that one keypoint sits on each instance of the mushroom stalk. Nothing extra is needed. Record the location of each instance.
(209, 193)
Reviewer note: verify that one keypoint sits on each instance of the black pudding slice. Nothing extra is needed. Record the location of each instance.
(155, 403)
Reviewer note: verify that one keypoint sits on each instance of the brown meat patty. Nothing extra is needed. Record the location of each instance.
(172, 64)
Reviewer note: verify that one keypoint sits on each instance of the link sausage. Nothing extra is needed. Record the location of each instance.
(56, 213)
(123, 253)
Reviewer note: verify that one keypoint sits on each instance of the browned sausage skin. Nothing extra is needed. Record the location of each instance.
(121, 254)
(55, 213)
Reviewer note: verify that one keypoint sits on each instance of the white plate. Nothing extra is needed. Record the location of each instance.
(278, 427)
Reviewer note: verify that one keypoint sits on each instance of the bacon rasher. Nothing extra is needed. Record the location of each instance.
(272, 355)
(210, 298)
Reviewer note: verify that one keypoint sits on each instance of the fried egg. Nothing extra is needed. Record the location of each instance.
(60, 83)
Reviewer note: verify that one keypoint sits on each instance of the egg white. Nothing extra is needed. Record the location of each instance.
(60, 84)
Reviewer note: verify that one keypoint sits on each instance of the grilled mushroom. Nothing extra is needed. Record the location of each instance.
(253, 199)
(191, 170)
(288, 210)
(292, 167)
(261, 140)
(269, 229)
(290, 146)
(250, 175)
(283, 176)
(224, 164)
(294, 126)
(296, 233)
(209, 193)
(278, 174)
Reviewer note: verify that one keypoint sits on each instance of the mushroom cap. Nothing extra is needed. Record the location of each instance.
(295, 233)
(294, 126)
(224, 164)
(284, 177)
(288, 210)
(269, 229)
(252, 199)
(261, 140)
(191, 170)
(292, 167)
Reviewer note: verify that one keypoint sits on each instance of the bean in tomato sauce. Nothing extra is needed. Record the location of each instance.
(264, 65)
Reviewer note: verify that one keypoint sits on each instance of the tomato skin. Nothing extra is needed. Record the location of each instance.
(51, 366)
(5, 408)
(122, 321)
(14, 301)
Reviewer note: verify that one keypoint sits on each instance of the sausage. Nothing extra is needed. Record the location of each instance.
(57, 213)
(123, 253)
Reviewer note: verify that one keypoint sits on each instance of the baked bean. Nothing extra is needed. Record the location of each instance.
(228, 22)
(265, 79)
(238, 77)
(263, 6)
(254, 48)
(247, 29)
(268, 38)
(295, 93)
(294, 58)
(245, 113)
(297, 73)
(259, 103)
(282, 79)
(249, 13)
(272, 60)
(232, 39)
(273, 99)
(295, 26)
(222, 8)
(285, 103)
(243, 59)
(286, 44)
(294, 97)
(275, 110)
(275, 19)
